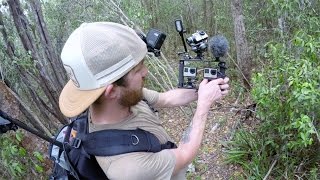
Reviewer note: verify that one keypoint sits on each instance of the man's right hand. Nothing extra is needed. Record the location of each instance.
(211, 91)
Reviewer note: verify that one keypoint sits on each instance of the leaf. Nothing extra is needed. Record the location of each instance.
(303, 136)
(38, 156)
(13, 150)
(18, 168)
(19, 136)
(22, 151)
(39, 168)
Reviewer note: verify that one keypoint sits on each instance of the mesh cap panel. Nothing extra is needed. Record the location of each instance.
(100, 53)
(102, 49)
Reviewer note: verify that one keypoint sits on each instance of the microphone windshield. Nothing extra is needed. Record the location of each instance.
(218, 46)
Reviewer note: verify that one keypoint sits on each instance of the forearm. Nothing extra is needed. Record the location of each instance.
(176, 97)
(208, 93)
(191, 140)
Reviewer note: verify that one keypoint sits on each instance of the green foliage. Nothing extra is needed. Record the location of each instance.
(137, 13)
(288, 97)
(251, 153)
(287, 93)
(15, 161)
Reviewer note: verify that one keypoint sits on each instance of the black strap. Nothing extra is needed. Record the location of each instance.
(150, 106)
(114, 142)
(168, 145)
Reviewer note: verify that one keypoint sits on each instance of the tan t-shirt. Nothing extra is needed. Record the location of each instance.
(140, 165)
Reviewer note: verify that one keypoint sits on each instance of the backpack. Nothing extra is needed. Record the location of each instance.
(75, 158)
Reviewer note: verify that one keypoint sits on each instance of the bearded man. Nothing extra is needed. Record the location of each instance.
(105, 63)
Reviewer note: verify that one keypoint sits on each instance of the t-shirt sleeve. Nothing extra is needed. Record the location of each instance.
(141, 165)
(150, 95)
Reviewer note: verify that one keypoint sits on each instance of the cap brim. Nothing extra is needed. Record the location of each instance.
(73, 101)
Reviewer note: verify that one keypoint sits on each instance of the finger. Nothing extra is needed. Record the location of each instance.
(203, 82)
(224, 86)
(226, 80)
(217, 81)
(224, 92)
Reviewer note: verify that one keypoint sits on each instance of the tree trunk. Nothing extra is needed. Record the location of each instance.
(8, 44)
(11, 104)
(29, 93)
(49, 86)
(205, 10)
(244, 59)
(211, 13)
(189, 17)
(56, 67)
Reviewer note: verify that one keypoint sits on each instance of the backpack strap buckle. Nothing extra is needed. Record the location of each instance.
(75, 142)
(134, 139)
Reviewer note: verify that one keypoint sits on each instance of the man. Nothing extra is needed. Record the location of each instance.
(105, 62)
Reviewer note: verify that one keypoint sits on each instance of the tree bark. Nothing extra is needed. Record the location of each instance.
(49, 87)
(30, 95)
(8, 44)
(11, 104)
(205, 11)
(190, 22)
(57, 69)
(244, 59)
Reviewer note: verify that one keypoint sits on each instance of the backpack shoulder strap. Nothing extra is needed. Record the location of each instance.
(81, 164)
(80, 129)
(114, 142)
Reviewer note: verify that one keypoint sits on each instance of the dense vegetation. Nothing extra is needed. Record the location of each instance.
(283, 42)
(286, 143)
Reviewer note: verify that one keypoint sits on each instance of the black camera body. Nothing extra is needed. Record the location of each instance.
(154, 40)
(199, 44)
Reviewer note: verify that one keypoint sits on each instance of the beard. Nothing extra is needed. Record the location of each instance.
(130, 97)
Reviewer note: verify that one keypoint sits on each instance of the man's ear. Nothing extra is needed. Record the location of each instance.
(110, 91)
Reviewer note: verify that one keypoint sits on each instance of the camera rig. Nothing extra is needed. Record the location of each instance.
(199, 44)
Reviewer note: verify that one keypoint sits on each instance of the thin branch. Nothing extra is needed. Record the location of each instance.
(316, 131)
(270, 169)
(1, 73)
(162, 67)
(120, 12)
(170, 67)
(237, 100)
(244, 77)
(156, 69)
(169, 70)
(157, 81)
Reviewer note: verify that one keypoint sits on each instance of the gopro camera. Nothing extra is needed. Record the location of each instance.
(210, 73)
(189, 72)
